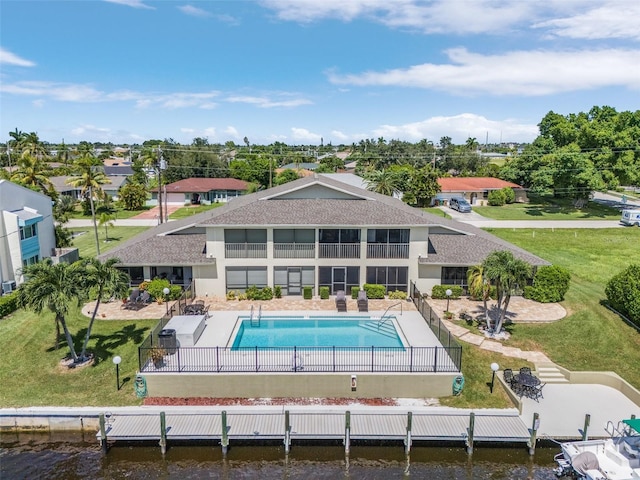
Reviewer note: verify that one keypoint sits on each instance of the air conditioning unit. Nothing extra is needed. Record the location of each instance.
(8, 287)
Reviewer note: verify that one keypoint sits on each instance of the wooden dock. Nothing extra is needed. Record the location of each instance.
(224, 427)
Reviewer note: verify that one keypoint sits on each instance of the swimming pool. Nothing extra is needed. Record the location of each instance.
(316, 332)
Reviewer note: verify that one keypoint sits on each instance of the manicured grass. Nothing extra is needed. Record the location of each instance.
(119, 214)
(192, 210)
(436, 211)
(591, 337)
(86, 242)
(31, 374)
(547, 208)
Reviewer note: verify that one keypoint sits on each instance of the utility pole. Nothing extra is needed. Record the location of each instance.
(160, 164)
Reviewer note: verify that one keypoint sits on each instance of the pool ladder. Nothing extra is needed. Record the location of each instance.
(384, 318)
(255, 322)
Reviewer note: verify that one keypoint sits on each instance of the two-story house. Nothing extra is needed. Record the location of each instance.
(315, 231)
(27, 233)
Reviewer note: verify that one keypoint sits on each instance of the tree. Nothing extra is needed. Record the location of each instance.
(385, 182)
(90, 177)
(623, 292)
(53, 287)
(506, 272)
(422, 186)
(480, 287)
(106, 220)
(132, 196)
(286, 176)
(105, 281)
(32, 146)
(34, 173)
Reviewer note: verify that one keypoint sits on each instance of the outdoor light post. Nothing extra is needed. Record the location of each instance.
(116, 361)
(166, 292)
(494, 368)
(448, 294)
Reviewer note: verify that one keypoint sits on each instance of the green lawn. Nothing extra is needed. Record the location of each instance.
(591, 337)
(192, 210)
(119, 213)
(436, 211)
(547, 208)
(31, 374)
(86, 242)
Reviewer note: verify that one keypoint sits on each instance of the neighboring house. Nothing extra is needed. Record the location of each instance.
(61, 186)
(475, 189)
(300, 166)
(200, 190)
(315, 231)
(27, 232)
(118, 170)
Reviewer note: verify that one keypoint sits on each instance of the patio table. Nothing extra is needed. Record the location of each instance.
(527, 384)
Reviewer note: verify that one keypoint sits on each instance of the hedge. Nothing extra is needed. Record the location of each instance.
(255, 293)
(354, 292)
(324, 292)
(439, 292)
(8, 304)
(398, 295)
(623, 292)
(550, 284)
(307, 293)
(374, 291)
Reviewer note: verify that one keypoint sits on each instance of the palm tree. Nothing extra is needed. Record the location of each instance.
(506, 272)
(32, 146)
(34, 173)
(385, 182)
(53, 287)
(90, 178)
(106, 281)
(479, 286)
(17, 137)
(106, 220)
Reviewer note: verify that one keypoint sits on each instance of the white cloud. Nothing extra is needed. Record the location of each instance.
(80, 93)
(304, 135)
(38, 103)
(526, 73)
(459, 128)
(90, 131)
(264, 102)
(614, 19)
(193, 11)
(132, 3)
(436, 16)
(232, 131)
(8, 58)
(339, 135)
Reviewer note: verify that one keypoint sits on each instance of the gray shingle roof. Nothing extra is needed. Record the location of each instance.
(164, 250)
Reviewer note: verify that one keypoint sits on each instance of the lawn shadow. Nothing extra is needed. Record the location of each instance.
(104, 346)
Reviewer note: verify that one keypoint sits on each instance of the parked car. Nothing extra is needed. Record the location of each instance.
(460, 204)
(631, 217)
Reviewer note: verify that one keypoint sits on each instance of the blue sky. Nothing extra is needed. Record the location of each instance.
(306, 71)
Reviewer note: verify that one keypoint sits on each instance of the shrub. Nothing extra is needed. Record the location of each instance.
(550, 283)
(231, 295)
(277, 291)
(255, 293)
(374, 291)
(497, 198)
(439, 292)
(156, 286)
(354, 292)
(324, 292)
(623, 292)
(242, 296)
(8, 304)
(307, 293)
(397, 295)
(509, 195)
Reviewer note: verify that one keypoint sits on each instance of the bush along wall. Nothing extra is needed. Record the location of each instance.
(307, 293)
(439, 292)
(8, 304)
(550, 284)
(354, 292)
(324, 292)
(374, 291)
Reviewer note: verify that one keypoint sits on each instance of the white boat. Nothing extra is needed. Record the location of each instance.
(615, 458)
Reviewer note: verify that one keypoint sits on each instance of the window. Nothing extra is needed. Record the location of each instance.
(241, 278)
(339, 278)
(454, 276)
(135, 273)
(383, 235)
(305, 235)
(242, 235)
(344, 235)
(393, 278)
(28, 231)
(30, 261)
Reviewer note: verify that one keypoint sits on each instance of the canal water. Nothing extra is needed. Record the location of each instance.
(76, 456)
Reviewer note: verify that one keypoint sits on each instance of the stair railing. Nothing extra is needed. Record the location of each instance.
(384, 318)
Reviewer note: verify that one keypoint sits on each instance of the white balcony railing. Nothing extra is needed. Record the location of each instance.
(245, 250)
(388, 250)
(294, 250)
(339, 250)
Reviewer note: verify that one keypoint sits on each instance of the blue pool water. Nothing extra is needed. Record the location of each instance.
(315, 332)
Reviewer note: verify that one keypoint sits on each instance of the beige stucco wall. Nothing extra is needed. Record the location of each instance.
(337, 385)
(428, 276)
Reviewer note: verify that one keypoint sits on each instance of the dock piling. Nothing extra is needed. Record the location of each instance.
(103, 434)
(287, 432)
(347, 432)
(407, 441)
(163, 433)
(534, 433)
(585, 429)
(472, 421)
(224, 442)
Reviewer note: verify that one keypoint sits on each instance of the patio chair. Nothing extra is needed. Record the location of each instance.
(525, 371)
(508, 376)
(537, 391)
(341, 301)
(132, 300)
(144, 298)
(363, 301)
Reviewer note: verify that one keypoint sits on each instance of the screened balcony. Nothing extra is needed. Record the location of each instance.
(245, 243)
(388, 243)
(294, 243)
(339, 250)
(388, 250)
(339, 243)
